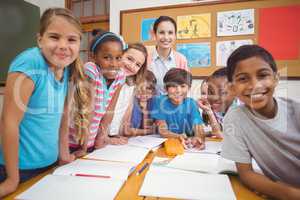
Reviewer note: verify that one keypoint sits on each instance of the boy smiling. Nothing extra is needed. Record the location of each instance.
(176, 115)
(265, 128)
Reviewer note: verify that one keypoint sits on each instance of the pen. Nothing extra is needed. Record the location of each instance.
(142, 168)
(90, 175)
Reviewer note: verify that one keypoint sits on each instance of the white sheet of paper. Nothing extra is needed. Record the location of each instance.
(173, 183)
(148, 141)
(198, 162)
(72, 188)
(121, 153)
(210, 147)
(117, 170)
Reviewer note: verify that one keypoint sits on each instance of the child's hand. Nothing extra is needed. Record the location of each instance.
(8, 186)
(80, 153)
(101, 141)
(204, 105)
(184, 140)
(117, 140)
(217, 136)
(197, 143)
(65, 159)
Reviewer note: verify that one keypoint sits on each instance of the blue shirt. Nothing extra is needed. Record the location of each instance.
(179, 118)
(39, 128)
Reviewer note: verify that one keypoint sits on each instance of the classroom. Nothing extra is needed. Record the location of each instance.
(137, 99)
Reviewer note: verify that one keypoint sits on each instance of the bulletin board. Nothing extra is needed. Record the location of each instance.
(208, 31)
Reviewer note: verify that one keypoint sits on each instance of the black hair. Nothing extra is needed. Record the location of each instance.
(163, 19)
(176, 76)
(100, 37)
(222, 72)
(248, 51)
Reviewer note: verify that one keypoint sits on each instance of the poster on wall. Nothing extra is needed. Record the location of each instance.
(197, 54)
(225, 48)
(146, 28)
(237, 22)
(194, 26)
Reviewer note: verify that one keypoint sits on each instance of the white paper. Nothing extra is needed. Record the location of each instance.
(198, 162)
(121, 153)
(235, 22)
(117, 170)
(148, 141)
(225, 48)
(172, 183)
(54, 187)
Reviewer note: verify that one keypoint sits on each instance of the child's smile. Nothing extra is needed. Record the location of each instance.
(254, 82)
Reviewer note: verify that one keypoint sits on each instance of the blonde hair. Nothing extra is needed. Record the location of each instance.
(80, 95)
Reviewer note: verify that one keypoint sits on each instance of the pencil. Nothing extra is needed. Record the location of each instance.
(142, 168)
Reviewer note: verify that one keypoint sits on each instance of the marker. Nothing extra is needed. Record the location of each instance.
(90, 175)
(142, 168)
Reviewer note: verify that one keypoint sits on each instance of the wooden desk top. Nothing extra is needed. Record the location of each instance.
(131, 188)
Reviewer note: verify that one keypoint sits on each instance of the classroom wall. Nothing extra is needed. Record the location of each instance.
(285, 88)
(46, 4)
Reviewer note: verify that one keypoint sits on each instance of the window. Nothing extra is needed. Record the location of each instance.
(93, 14)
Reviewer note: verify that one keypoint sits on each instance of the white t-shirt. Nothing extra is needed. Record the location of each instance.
(273, 143)
(125, 98)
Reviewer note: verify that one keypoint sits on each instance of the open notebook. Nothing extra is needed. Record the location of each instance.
(147, 141)
(173, 183)
(120, 153)
(72, 188)
(97, 168)
(206, 162)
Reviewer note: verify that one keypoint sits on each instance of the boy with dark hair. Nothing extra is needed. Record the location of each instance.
(176, 115)
(264, 128)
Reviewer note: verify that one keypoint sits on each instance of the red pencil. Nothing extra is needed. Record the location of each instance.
(90, 175)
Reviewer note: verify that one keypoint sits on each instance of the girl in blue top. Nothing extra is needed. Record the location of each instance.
(35, 92)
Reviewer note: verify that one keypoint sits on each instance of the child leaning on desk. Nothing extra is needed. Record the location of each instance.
(106, 78)
(176, 115)
(35, 92)
(264, 128)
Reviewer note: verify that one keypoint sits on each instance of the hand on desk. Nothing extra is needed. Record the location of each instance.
(66, 158)
(195, 142)
(117, 140)
(8, 186)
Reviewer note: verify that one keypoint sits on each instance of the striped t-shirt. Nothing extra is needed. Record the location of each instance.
(103, 97)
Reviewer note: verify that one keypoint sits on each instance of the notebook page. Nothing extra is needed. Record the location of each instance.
(118, 170)
(148, 141)
(121, 153)
(173, 183)
(72, 188)
(197, 162)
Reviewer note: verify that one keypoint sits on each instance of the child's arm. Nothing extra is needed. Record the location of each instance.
(198, 141)
(164, 132)
(102, 136)
(18, 91)
(265, 185)
(137, 131)
(212, 121)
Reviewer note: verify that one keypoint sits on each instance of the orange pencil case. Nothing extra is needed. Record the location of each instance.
(173, 147)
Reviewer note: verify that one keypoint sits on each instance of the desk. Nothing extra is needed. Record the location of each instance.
(130, 189)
